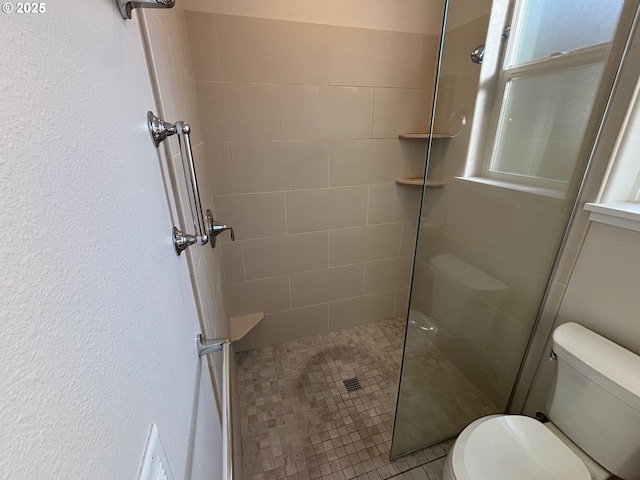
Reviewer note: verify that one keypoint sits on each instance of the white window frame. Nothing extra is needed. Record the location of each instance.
(509, 72)
(618, 201)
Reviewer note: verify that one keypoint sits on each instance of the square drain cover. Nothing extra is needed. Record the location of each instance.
(352, 384)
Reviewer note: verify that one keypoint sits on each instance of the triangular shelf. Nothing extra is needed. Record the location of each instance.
(425, 135)
(419, 181)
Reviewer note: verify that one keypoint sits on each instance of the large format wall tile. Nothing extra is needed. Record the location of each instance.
(326, 209)
(390, 274)
(239, 111)
(315, 111)
(255, 215)
(393, 203)
(265, 295)
(204, 46)
(272, 51)
(278, 166)
(320, 286)
(374, 58)
(363, 244)
(300, 124)
(428, 61)
(401, 110)
(233, 262)
(458, 68)
(372, 161)
(359, 310)
(218, 168)
(402, 302)
(408, 240)
(292, 324)
(267, 257)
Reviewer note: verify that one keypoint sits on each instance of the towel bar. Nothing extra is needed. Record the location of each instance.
(205, 347)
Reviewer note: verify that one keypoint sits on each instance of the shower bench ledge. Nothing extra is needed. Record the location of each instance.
(242, 325)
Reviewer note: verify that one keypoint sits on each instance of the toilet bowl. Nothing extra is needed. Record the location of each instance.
(519, 448)
(594, 410)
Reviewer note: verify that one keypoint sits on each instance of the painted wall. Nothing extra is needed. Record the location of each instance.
(98, 315)
(413, 16)
(300, 125)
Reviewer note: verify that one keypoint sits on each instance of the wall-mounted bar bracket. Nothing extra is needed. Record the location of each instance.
(206, 346)
(125, 6)
(159, 129)
(182, 241)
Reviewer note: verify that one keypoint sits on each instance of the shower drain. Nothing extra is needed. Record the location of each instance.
(352, 384)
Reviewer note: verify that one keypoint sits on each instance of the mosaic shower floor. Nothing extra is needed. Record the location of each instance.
(300, 422)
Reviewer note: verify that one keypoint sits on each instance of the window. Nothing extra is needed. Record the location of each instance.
(618, 201)
(547, 88)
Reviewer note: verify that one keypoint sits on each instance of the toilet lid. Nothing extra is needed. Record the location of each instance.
(510, 447)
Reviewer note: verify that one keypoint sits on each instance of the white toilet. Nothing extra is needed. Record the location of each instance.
(465, 299)
(595, 406)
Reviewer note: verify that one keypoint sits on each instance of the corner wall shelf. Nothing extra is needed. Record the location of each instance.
(423, 136)
(419, 181)
(240, 326)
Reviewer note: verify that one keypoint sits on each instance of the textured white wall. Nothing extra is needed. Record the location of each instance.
(97, 314)
(414, 16)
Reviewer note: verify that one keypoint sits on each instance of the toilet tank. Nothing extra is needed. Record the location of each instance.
(464, 297)
(596, 398)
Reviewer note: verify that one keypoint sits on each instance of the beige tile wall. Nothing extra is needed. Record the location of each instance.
(300, 124)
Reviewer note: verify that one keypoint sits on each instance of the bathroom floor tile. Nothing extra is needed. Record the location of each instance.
(299, 421)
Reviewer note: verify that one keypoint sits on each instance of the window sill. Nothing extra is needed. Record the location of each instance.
(520, 187)
(618, 214)
(524, 194)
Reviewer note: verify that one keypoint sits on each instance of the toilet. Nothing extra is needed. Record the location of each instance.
(465, 299)
(594, 428)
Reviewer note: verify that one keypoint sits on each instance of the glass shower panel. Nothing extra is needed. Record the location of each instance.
(488, 239)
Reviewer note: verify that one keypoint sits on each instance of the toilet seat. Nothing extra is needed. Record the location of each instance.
(509, 447)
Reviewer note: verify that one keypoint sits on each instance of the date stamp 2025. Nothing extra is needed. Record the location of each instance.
(24, 7)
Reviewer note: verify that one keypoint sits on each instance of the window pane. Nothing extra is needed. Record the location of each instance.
(543, 121)
(551, 26)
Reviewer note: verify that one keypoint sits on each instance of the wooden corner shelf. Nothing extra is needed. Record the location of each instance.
(423, 135)
(419, 182)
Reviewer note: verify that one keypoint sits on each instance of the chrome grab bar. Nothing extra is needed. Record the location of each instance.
(206, 347)
(160, 130)
(192, 184)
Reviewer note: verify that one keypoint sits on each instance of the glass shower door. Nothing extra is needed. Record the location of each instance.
(521, 120)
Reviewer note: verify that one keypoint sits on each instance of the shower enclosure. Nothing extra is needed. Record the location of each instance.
(522, 88)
